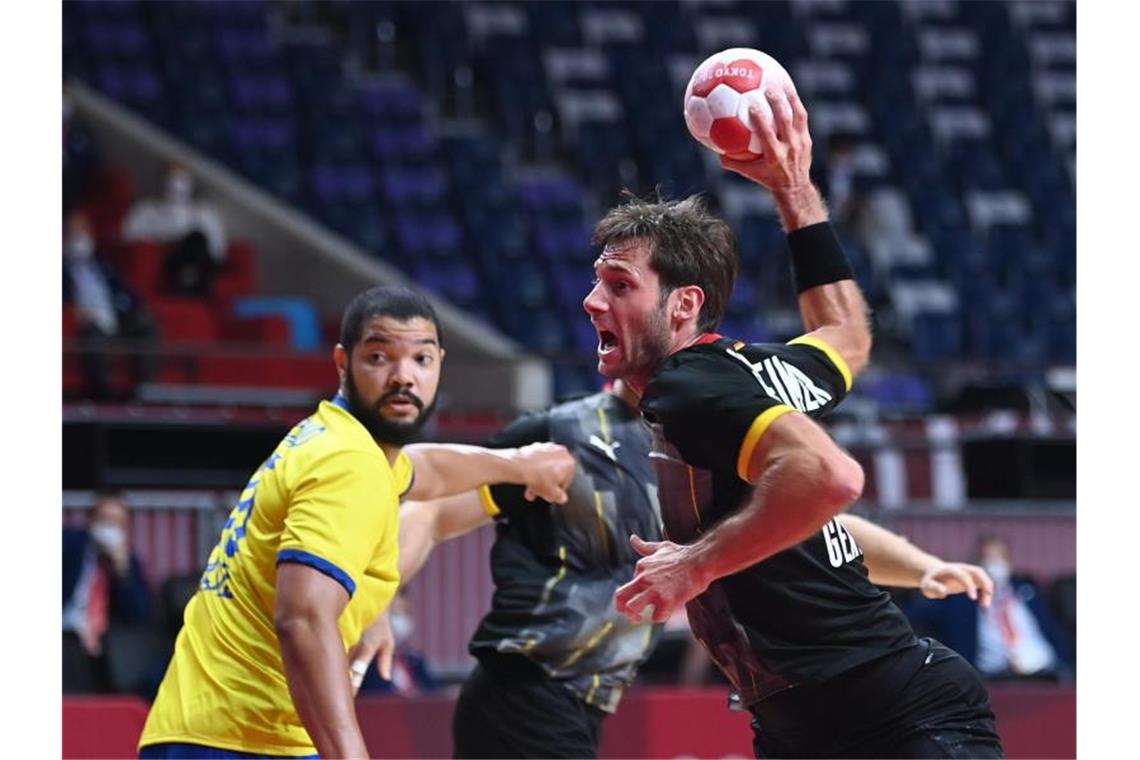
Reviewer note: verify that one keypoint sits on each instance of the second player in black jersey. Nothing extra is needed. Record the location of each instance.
(554, 654)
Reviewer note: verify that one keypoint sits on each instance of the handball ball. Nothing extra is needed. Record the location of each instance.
(720, 93)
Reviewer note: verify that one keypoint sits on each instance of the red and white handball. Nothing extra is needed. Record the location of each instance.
(720, 93)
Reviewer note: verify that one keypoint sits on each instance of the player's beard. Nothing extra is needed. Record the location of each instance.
(372, 418)
(654, 345)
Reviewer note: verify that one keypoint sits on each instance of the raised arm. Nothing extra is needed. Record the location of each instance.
(802, 480)
(830, 302)
(316, 666)
(444, 469)
(891, 560)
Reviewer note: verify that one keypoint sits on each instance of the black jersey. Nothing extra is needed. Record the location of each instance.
(556, 567)
(802, 615)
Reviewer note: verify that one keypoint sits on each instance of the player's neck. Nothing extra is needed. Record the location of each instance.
(391, 452)
(639, 381)
(688, 337)
(626, 392)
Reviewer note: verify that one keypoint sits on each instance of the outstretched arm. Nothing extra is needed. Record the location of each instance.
(802, 480)
(891, 560)
(426, 524)
(444, 469)
(831, 303)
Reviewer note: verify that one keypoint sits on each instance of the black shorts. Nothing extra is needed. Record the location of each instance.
(924, 702)
(509, 708)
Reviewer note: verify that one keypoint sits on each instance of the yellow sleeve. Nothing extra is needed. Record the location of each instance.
(404, 473)
(833, 356)
(338, 513)
(755, 432)
(488, 500)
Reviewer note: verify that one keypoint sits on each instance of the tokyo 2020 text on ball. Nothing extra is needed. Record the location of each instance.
(720, 93)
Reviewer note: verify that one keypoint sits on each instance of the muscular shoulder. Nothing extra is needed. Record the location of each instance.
(700, 372)
(798, 375)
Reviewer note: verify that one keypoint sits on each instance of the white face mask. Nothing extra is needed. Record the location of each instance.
(108, 536)
(998, 571)
(179, 187)
(80, 247)
(402, 627)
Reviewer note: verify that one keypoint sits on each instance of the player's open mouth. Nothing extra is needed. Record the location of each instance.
(607, 341)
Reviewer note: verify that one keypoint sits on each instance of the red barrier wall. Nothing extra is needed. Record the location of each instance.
(102, 727)
(1034, 721)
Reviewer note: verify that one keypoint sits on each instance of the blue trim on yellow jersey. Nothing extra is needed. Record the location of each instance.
(342, 402)
(318, 563)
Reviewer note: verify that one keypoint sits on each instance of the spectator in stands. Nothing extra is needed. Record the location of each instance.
(191, 229)
(79, 157)
(103, 586)
(411, 675)
(1015, 637)
(106, 310)
(1063, 605)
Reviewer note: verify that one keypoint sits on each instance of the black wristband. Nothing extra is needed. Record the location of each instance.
(817, 257)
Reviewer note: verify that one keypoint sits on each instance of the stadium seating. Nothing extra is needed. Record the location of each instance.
(409, 128)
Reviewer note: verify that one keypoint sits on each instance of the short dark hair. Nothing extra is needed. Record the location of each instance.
(105, 495)
(108, 494)
(394, 301)
(985, 539)
(688, 246)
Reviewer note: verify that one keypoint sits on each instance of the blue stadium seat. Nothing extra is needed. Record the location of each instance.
(289, 113)
(937, 336)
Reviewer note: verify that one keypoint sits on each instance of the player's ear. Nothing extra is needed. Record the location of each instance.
(340, 359)
(690, 299)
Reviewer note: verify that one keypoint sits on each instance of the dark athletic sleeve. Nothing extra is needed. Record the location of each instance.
(716, 401)
(505, 499)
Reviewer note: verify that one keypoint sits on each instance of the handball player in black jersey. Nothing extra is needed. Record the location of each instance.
(774, 578)
(554, 655)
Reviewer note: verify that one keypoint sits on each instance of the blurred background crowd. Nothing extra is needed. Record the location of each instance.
(234, 171)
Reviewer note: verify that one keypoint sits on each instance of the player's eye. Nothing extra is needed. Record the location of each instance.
(425, 360)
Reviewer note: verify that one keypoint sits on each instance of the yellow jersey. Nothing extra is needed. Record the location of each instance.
(326, 497)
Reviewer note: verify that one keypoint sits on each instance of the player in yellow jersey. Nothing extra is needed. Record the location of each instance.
(308, 557)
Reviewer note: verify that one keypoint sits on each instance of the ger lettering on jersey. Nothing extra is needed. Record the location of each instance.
(327, 498)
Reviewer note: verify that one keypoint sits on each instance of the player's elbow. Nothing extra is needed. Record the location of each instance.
(299, 618)
(841, 481)
(836, 480)
(862, 355)
(293, 625)
(858, 345)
